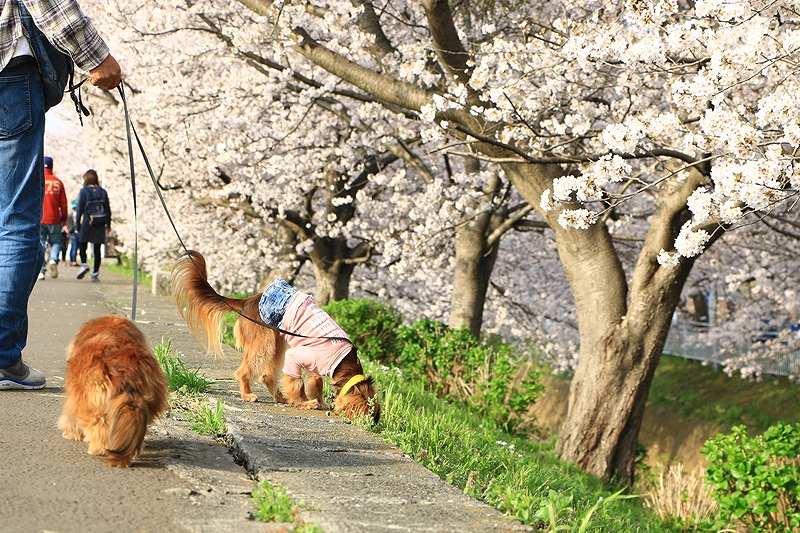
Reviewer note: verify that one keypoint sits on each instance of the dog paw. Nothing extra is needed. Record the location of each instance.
(96, 450)
(249, 397)
(280, 398)
(72, 434)
(309, 405)
(71, 431)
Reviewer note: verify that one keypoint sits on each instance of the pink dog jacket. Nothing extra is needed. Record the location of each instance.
(321, 356)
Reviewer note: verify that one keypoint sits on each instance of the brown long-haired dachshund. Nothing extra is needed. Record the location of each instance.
(324, 352)
(114, 389)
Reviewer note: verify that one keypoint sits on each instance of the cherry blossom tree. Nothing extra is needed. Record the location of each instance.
(677, 117)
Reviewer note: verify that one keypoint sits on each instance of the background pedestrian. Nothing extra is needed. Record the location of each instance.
(94, 222)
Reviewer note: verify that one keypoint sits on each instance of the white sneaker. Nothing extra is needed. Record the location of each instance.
(41, 275)
(52, 269)
(83, 271)
(95, 276)
(21, 376)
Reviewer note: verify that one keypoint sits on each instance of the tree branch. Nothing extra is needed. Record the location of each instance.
(506, 225)
(260, 7)
(369, 23)
(451, 53)
(385, 88)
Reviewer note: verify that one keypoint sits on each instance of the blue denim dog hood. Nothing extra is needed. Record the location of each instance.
(274, 301)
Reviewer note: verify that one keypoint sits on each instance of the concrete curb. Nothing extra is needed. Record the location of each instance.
(347, 480)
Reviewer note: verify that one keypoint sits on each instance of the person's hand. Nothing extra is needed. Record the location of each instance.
(64, 228)
(107, 74)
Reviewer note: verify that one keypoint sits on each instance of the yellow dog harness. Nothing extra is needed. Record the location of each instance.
(352, 382)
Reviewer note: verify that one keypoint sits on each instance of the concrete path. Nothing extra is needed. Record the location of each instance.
(347, 479)
(182, 483)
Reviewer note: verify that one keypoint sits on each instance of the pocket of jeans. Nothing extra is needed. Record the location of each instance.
(15, 105)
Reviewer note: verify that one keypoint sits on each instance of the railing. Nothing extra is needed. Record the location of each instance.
(690, 341)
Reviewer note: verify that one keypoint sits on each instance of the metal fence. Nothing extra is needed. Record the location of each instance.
(690, 340)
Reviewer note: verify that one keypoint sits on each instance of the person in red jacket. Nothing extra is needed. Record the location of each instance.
(54, 218)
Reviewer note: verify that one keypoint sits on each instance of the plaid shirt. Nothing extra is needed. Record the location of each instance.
(64, 24)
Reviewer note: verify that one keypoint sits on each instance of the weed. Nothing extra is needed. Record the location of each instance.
(273, 504)
(680, 495)
(208, 421)
(179, 377)
(756, 479)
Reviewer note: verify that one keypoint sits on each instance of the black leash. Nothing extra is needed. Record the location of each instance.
(130, 128)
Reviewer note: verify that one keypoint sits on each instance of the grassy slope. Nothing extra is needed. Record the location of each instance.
(707, 394)
(517, 476)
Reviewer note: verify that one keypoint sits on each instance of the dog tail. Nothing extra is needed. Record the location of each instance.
(200, 305)
(127, 423)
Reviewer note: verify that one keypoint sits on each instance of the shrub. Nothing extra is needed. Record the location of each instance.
(756, 480)
(371, 325)
(458, 365)
(453, 363)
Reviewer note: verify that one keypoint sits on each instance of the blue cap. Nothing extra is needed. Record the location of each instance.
(48, 162)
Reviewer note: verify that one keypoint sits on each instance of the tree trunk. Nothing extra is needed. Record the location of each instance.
(622, 333)
(609, 390)
(473, 270)
(333, 282)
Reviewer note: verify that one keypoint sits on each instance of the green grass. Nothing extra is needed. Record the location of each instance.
(125, 269)
(273, 504)
(179, 377)
(208, 421)
(228, 320)
(520, 477)
(707, 394)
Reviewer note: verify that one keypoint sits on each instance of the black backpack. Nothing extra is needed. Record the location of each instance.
(55, 67)
(95, 210)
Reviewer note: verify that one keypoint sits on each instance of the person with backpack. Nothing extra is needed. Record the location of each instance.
(41, 41)
(94, 222)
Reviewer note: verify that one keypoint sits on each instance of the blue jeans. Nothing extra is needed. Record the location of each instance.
(51, 234)
(21, 194)
(74, 243)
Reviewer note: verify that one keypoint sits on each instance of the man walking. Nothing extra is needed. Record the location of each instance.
(24, 25)
(54, 218)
